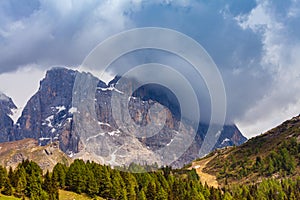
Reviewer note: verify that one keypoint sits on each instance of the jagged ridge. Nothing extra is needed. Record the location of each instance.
(49, 117)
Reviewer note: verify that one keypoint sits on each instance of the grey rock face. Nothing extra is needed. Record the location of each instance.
(6, 123)
(103, 124)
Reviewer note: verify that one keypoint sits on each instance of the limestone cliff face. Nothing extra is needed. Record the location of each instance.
(46, 117)
(6, 123)
(110, 131)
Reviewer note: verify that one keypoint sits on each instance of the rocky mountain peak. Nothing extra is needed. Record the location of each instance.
(3, 97)
(53, 115)
(6, 104)
(7, 108)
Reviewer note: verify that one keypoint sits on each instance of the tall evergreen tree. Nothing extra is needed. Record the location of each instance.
(7, 189)
(21, 182)
(151, 190)
(161, 194)
(92, 185)
(106, 184)
(141, 195)
(59, 174)
(131, 185)
(12, 177)
(3, 176)
(34, 180)
(50, 186)
(118, 191)
(76, 176)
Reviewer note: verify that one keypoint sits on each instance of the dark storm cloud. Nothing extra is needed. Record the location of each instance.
(255, 44)
(55, 32)
(237, 52)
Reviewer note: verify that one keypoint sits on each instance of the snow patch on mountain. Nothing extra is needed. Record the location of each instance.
(112, 133)
(44, 138)
(111, 88)
(73, 110)
(94, 136)
(48, 121)
(60, 108)
(225, 140)
(104, 124)
(15, 114)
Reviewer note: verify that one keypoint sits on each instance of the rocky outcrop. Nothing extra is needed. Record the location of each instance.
(7, 107)
(13, 153)
(46, 117)
(102, 123)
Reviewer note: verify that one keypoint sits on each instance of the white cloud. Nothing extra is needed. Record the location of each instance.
(60, 33)
(281, 58)
(22, 84)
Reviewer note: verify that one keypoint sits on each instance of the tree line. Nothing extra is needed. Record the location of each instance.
(93, 179)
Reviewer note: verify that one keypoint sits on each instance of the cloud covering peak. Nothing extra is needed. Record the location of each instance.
(255, 45)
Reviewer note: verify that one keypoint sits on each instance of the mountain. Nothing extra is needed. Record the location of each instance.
(274, 154)
(7, 107)
(97, 127)
(45, 116)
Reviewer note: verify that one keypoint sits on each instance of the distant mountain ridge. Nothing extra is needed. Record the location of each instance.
(49, 116)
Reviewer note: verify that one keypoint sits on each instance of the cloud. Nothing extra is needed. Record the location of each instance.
(56, 32)
(276, 23)
(255, 44)
(232, 48)
(21, 84)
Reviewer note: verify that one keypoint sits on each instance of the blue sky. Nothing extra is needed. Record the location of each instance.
(255, 44)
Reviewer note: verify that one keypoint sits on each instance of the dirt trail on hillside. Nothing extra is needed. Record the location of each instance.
(205, 177)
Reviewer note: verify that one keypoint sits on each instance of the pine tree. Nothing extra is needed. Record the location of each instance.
(151, 190)
(76, 176)
(206, 191)
(106, 184)
(55, 188)
(161, 194)
(166, 171)
(21, 183)
(141, 195)
(118, 191)
(292, 196)
(288, 161)
(7, 190)
(131, 185)
(194, 191)
(59, 174)
(3, 176)
(163, 182)
(270, 167)
(43, 196)
(92, 186)
(227, 196)
(50, 186)
(12, 177)
(34, 180)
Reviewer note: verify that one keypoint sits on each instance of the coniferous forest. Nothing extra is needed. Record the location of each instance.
(29, 181)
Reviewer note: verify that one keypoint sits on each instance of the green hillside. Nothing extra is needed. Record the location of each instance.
(275, 154)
